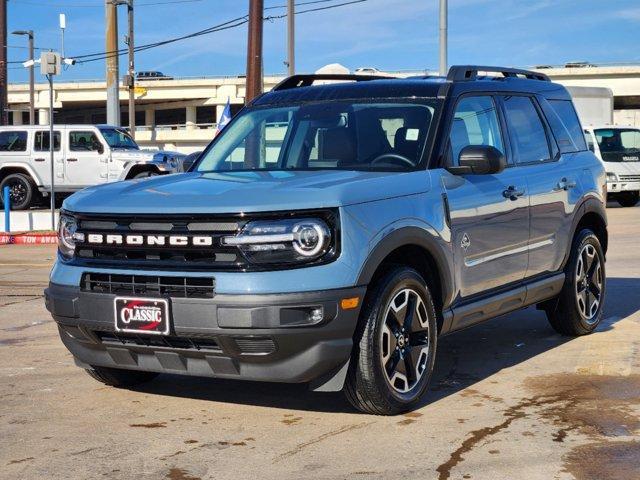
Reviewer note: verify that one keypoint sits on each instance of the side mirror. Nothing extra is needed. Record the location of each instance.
(479, 160)
(100, 148)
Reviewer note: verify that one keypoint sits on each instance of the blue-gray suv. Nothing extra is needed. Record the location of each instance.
(338, 226)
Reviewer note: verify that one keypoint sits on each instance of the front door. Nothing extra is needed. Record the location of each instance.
(489, 213)
(85, 160)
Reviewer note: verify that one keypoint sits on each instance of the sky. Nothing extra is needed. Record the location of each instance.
(387, 34)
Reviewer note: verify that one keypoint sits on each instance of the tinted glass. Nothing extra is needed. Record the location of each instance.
(570, 124)
(13, 141)
(526, 129)
(335, 135)
(619, 144)
(117, 138)
(41, 141)
(83, 142)
(475, 122)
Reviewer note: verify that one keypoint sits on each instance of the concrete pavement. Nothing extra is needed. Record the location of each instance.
(510, 399)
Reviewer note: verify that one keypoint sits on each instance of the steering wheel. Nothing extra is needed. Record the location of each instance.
(394, 156)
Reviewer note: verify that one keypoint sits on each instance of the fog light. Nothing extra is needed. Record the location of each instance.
(316, 314)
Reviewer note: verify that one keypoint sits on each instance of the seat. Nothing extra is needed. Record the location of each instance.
(338, 145)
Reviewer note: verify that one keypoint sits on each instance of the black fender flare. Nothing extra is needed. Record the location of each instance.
(412, 235)
(590, 204)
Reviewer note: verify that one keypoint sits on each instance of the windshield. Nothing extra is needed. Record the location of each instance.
(117, 138)
(329, 135)
(619, 144)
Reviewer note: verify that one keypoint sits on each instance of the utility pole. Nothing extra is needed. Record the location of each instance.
(291, 34)
(132, 72)
(4, 120)
(443, 37)
(113, 80)
(32, 110)
(254, 50)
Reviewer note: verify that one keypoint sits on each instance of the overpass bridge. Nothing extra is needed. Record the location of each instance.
(180, 114)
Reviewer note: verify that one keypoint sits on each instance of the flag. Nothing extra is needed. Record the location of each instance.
(224, 118)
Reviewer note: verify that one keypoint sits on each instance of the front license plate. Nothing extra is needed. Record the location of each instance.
(142, 315)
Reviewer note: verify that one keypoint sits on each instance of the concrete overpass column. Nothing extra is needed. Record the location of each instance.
(43, 116)
(219, 110)
(17, 117)
(191, 118)
(150, 118)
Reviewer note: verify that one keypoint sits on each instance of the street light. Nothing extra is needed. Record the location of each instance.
(32, 111)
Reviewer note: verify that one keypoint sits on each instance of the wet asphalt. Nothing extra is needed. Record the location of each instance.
(510, 399)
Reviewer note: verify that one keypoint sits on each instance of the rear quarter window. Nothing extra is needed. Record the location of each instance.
(13, 141)
(566, 126)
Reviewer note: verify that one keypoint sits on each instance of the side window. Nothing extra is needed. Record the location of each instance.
(589, 139)
(526, 130)
(13, 141)
(84, 142)
(41, 141)
(569, 124)
(475, 122)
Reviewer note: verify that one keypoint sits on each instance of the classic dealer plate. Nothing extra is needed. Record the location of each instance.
(142, 315)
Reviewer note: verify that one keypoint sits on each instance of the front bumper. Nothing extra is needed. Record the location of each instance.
(618, 186)
(246, 337)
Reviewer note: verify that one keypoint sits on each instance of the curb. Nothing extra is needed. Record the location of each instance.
(42, 238)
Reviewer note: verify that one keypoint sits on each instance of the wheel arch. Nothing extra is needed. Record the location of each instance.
(416, 248)
(592, 215)
(11, 168)
(139, 168)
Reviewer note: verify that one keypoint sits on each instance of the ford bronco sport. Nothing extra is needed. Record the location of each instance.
(333, 232)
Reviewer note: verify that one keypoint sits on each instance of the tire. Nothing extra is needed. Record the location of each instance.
(146, 174)
(116, 377)
(372, 388)
(628, 199)
(573, 312)
(22, 191)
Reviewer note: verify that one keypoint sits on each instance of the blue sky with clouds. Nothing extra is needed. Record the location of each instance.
(388, 34)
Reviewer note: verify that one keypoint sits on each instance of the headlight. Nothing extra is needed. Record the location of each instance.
(282, 241)
(68, 236)
(612, 177)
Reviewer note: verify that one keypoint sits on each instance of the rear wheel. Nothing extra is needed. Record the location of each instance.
(578, 308)
(22, 191)
(116, 377)
(628, 199)
(394, 346)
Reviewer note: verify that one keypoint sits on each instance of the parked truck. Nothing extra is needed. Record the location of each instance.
(617, 146)
(84, 155)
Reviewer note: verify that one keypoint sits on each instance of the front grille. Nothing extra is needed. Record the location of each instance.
(214, 256)
(629, 178)
(159, 341)
(149, 285)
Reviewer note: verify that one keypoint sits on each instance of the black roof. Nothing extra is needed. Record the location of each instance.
(461, 79)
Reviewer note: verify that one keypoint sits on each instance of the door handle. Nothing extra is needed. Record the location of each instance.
(72, 159)
(512, 193)
(38, 159)
(565, 184)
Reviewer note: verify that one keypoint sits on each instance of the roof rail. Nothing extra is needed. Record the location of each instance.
(306, 80)
(468, 73)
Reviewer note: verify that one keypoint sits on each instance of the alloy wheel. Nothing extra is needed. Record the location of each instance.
(589, 283)
(17, 192)
(405, 340)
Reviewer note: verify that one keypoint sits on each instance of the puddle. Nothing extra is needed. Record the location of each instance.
(616, 460)
(149, 425)
(180, 474)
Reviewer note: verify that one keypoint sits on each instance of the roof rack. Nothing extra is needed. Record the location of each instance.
(468, 73)
(306, 80)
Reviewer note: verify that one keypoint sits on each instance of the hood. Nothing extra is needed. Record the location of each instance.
(237, 192)
(132, 155)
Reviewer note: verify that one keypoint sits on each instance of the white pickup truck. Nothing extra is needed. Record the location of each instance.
(84, 155)
(617, 146)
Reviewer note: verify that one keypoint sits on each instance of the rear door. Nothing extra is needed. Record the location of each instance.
(85, 161)
(489, 213)
(41, 156)
(552, 175)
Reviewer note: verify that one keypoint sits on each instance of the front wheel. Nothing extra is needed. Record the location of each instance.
(578, 308)
(394, 346)
(628, 199)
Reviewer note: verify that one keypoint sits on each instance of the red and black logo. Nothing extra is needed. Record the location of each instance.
(141, 315)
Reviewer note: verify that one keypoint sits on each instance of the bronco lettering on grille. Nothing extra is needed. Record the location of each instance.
(161, 240)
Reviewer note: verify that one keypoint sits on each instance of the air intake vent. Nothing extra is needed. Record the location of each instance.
(149, 285)
(255, 345)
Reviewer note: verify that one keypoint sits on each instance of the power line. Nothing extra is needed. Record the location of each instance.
(234, 23)
(101, 5)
